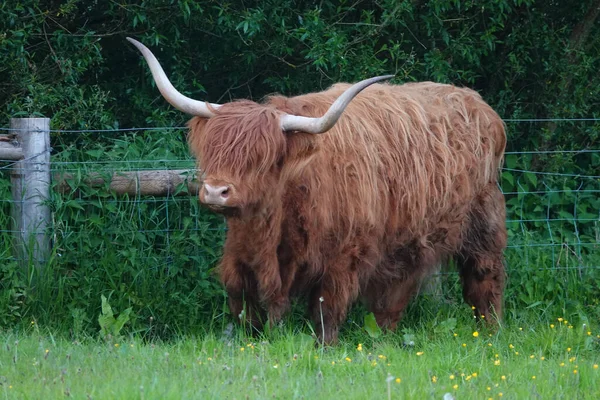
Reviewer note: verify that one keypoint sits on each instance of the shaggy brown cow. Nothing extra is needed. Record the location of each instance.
(404, 180)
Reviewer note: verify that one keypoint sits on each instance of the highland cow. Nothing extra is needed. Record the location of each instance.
(358, 191)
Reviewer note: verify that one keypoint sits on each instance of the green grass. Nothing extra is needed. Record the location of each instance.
(525, 359)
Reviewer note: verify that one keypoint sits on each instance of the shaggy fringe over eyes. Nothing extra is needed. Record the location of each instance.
(244, 136)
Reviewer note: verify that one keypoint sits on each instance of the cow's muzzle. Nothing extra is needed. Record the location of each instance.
(215, 195)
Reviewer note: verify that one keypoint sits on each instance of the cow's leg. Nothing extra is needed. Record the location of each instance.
(281, 303)
(332, 298)
(388, 300)
(483, 284)
(481, 262)
(270, 292)
(241, 287)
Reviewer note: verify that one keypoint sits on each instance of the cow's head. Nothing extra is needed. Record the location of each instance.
(242, 146)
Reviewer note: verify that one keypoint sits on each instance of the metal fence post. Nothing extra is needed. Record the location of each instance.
(30, 182)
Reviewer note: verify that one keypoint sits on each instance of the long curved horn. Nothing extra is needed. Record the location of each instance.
(319, 125)
(176, 99)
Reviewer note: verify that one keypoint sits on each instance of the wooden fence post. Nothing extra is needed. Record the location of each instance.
(30, 181)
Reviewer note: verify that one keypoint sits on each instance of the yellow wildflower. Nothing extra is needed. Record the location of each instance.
(434, 379)
(455, 387)
(348, 359)
(475, 334)
(419, 353)
(451, 377)
(398, 380)
(497, 362)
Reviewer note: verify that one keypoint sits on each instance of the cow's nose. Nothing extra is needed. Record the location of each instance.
(215, 194)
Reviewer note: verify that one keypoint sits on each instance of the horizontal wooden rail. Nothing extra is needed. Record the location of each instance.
(9, 149)
(179, 182)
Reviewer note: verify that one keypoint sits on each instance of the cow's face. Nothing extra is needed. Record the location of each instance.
(241, 152)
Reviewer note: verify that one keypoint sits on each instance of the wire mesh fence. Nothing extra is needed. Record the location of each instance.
(553, 213)
(156, 252)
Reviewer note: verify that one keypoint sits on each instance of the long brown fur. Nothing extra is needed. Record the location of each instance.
(406, 179)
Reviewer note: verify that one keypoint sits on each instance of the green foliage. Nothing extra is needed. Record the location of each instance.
(446, 326)
(371, 326)
(109, 325)
(154, 255)
(70, 61)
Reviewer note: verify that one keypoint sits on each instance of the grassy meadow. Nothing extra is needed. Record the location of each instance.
(533, 356)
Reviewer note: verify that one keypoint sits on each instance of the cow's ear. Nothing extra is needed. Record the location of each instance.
(195, 137)
(300, 149)
(301, 145)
